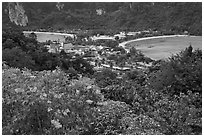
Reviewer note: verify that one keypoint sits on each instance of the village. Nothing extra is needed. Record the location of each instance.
(100, 51)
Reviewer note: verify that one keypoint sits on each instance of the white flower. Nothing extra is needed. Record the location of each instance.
(89, 87)
(98, 91)
(49, 101)
(44, 95)
(89, 101)
(57, 95)
(49, 109)
(65, 112)
(77, 91)
(18, 90)
(102, 103)
(33, 76)
(56, 124)
(34, 89)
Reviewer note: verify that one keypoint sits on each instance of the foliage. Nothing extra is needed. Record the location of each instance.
(46, 102)
(123, 91)
(179, 115)
(105, 77)
(181, 73)
(48, 94)
(49, 103)
(20, 51)
(18, 58)
(137, 76)
(140, 125)
(111, 43)
(180, 16)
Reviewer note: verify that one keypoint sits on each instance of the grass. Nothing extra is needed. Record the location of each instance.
(162, 48)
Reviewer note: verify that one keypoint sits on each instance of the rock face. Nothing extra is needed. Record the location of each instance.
(17, 14)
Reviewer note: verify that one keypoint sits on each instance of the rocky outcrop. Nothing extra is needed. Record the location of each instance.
(17, 14)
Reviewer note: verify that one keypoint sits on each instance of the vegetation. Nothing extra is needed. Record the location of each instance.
(53, 102)
(181, 73)
(180, 16)
(55, 94)
(20, 51)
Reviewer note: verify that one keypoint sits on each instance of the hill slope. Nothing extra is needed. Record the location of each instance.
(123, 16)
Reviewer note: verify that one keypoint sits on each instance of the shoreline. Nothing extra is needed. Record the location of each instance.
(123, 44)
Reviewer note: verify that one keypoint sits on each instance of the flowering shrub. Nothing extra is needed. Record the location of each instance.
(178, 114)
(49, 102)
(108, 117)
(123, 91)
(46, 102)
(140, 125)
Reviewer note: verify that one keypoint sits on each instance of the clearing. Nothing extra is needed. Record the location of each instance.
(45, 36)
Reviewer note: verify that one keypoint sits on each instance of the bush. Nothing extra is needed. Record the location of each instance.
(181, 73)
(176, 115)
(108, 117)
(46, 102)
(137, 76)
(179, 115)
(105, 77)
(111, 43)
(18, 58)
(123, 91)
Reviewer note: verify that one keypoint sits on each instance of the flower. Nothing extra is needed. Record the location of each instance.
(49, 101)
(89, 87)
(49, 109)
(77, 91)
(89, 101)
(56, 124)
(98, 91)
(65, 112)
(57, 95)
(18, 90)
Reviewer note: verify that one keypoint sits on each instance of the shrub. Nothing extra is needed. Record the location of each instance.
(105, 77)
(46, 102)
(181, 73)
(109, 116)
(180, 115)
(123, 91)
(18, 58)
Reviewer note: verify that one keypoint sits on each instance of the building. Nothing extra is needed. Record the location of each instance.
(68, 47)
(54, 48)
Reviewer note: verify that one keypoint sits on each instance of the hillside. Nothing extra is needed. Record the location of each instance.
(96, 87)
(175, 17)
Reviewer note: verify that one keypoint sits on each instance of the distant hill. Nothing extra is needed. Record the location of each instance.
(177, 17)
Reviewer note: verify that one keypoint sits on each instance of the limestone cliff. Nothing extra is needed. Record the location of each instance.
(17, 14)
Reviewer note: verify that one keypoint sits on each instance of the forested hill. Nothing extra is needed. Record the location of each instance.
(165, 16)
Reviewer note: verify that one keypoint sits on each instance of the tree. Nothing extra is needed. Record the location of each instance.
(33, 36)
(181, 73)
(133, 51)
(105, 77)
(111, 43)
(15, 57)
